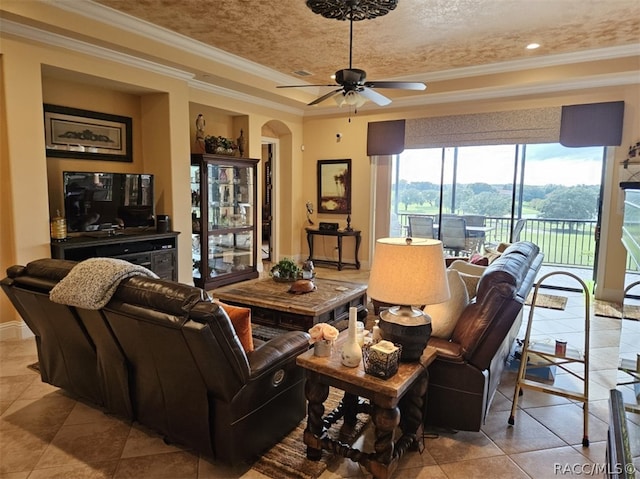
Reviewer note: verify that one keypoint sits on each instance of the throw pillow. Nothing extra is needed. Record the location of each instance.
(444, 316)
(470, 274)
(478, 259)
(241, 320)
(493, 254)
(471, 282)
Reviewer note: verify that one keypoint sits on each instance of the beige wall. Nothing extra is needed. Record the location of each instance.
(7, 249)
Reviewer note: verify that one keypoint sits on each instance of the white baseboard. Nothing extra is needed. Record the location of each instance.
(14, 330)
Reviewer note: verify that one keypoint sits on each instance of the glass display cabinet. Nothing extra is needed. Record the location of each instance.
(631, 221)
(223, 218)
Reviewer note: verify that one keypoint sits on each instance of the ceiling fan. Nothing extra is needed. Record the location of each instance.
(354, 89)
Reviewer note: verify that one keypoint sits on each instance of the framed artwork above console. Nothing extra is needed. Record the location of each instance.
(334, 186)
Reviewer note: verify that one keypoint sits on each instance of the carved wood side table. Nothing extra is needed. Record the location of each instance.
(397, 401)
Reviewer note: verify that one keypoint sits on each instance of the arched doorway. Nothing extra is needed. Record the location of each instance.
(276, 139)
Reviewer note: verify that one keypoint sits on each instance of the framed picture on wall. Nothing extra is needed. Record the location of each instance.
(334, 186)
(88, 135)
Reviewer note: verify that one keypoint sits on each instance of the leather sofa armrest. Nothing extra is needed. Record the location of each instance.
(15, 271)
(447, 349)
(277, 351)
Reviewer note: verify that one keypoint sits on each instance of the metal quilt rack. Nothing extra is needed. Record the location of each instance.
(548, 357)
(629, 366)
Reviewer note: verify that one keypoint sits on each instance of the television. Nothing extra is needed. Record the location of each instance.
(104, 201)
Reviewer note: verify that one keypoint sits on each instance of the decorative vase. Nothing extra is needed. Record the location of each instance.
(323, 348)
(240, 141)
(351, 351)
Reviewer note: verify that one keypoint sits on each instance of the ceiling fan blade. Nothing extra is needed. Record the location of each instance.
(401, 85)
(325, 97)
(374, 96)
(301, 86)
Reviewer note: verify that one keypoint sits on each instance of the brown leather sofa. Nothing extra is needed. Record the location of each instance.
(464, 377)
(163, 354)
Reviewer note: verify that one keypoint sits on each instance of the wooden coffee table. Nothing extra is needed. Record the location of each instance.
(397, 401)
(272, 305)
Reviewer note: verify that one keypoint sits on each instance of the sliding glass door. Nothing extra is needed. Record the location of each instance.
(545, 193)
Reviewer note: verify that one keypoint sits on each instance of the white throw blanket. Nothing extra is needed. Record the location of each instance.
(91, 283)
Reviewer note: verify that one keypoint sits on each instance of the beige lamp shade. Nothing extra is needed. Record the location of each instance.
(408, 271)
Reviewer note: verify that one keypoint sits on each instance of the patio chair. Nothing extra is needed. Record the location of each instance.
(420, 226)
(475, 220)
(517, 230)
(453, 233)
(476, 238)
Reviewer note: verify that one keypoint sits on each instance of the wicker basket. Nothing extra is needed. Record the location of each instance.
(379, 364)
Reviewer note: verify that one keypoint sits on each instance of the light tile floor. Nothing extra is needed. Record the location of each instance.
(44, 433)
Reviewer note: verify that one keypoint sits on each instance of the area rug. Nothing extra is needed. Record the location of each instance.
(548, 301)
(610, 309)
(288, 458)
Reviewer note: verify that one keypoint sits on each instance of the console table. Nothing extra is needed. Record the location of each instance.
(397, 401)
(155, 251)
(339, 234)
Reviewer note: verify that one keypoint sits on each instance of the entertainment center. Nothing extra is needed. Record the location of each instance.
(112, 214)
(155, 251)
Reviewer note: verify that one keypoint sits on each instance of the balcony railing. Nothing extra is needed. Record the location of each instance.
(563, 242)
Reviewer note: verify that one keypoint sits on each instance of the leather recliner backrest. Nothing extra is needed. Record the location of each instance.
(168, 392)
(487, 320)
(178, 363)
(66, 353)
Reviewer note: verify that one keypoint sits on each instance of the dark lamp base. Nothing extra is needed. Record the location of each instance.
(412, 331)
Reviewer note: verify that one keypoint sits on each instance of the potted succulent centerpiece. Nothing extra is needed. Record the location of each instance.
(285, 270)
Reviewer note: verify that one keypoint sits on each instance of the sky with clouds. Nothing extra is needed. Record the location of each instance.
(545, 164)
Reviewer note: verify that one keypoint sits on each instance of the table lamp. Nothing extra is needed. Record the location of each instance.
(407, 272)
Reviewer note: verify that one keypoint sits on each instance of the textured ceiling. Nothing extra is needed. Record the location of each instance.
(418, 37)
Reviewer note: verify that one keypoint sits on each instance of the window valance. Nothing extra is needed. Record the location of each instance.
(575, 125)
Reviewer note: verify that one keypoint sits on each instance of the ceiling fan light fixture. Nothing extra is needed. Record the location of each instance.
(351, 98)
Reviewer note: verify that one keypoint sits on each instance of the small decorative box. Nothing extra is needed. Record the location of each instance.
(381, 359)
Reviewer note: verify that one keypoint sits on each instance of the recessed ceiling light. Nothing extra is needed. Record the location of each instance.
(533, 46)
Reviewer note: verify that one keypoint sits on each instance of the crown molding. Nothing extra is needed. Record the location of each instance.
(54, 39)
(529, 63)
(167, 37)
(233, 94)
(595, 81)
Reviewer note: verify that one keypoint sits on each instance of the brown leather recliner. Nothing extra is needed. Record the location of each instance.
(67, 355)
(186, 373)
(466, 373)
